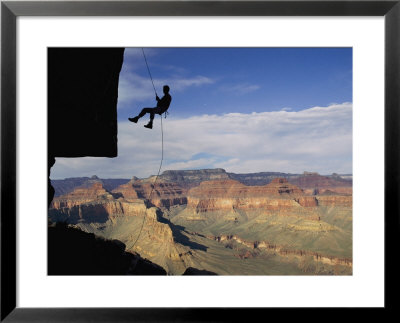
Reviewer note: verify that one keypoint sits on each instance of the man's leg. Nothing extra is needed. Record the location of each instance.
(144, 111)
(150, 124)
(141, 114)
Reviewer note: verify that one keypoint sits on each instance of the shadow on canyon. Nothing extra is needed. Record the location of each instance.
(178, 236)
(74, 252)
(77, 214)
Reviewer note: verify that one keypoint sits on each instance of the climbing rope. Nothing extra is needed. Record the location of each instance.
(151, 78)
(148, 69)
(155, 180)
(162, 157)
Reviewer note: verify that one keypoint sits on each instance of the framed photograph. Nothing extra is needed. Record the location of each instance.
(267, 161)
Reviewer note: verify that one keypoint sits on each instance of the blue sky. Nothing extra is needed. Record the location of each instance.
(242, 109)
(226, 80)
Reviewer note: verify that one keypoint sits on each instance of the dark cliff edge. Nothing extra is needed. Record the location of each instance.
(74, 252)
(82, 103)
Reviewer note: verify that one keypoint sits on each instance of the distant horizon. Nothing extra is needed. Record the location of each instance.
(180, 170)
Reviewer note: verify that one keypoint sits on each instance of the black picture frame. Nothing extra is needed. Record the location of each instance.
(10, 10)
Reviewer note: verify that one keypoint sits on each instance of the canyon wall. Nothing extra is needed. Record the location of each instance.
(277, 196)
(174, 224)
(160, 194)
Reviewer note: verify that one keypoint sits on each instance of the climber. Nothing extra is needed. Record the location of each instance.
(162, 106)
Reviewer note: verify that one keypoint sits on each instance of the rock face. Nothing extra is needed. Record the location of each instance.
(313, 183)
(127, 200)
(81, 196)
(65, 186)
(307, 201)
(229, 195)
(307, 180)
(190, 178)
(94, 204)
(162, 194)
(278, 197)
(279, 187)
(341, 201)
(82, 101)
(127, 191)
(259, 179)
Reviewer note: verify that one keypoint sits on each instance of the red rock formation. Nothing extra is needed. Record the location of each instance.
(307, 201)
(280, 186)
(279, 197)
(94, 204)
(127, 191)
(81, 196)
(231, 188)
(159, 194)
(313, 183)
(335, 200)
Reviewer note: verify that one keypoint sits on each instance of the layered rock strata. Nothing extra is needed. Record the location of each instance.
(94, 204)
(316, 184)
(160, 194)
(285, 251)
(226, 195)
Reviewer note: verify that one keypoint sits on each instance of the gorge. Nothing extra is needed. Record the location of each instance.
(217, 222)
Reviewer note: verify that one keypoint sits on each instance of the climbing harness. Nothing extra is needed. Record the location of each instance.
(162, 155)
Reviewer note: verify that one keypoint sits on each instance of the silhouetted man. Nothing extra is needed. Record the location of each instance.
(162, 106)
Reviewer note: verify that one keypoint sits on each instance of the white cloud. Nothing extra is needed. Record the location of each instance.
(314, 139)
(134, 88)
(179, 84)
